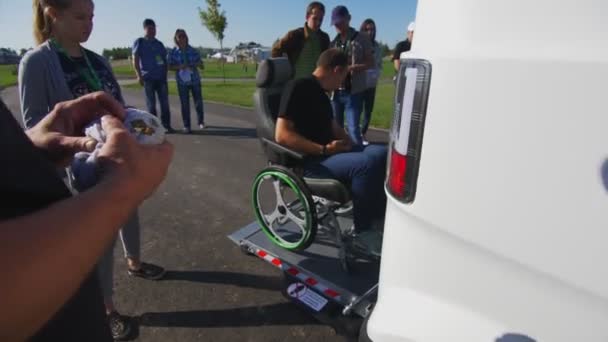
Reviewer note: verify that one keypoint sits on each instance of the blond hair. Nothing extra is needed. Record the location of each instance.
(42, 22)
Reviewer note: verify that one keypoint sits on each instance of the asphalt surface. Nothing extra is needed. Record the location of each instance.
(212, 291)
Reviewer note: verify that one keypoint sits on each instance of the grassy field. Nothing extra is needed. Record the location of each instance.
(214, 70)
(241, 94)
(8, 75)
(388, 69)
(233, 93)
(382, 115)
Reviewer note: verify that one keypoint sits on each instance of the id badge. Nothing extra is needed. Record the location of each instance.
(185, 75)
(159, 60)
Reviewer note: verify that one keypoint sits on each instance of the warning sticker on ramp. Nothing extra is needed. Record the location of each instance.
(307, 296)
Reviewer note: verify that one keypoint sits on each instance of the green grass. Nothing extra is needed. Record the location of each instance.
(233, 93)
(212, 69)
(123, 70)
(388, 69)
(241, 94)
(8, 75)
(382, 115)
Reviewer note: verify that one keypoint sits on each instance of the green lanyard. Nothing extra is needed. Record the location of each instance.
(184, 56)
(90, 76)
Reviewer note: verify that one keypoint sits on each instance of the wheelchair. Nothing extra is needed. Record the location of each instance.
(289, 207)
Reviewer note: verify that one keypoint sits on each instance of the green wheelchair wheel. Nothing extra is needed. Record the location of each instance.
(284, 208)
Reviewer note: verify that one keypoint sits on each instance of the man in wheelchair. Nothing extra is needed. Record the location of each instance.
(305, 124)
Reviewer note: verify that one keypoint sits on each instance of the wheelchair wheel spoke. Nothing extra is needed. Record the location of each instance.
(278, 192)
(296, 206)
(299, 221)
(271, 218)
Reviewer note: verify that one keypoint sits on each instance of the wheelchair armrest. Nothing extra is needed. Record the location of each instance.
(282, 150)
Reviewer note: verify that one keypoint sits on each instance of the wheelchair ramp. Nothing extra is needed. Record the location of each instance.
(318, 267)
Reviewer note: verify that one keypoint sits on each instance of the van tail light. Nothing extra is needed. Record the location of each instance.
(412, 92)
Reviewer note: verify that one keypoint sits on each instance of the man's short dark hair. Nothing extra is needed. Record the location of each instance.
(313, 5)
(332, 58)
(149, 22)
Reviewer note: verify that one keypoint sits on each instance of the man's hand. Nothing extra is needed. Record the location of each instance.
(133, 169)
(140, 80)
(339, 146)
(60, 134)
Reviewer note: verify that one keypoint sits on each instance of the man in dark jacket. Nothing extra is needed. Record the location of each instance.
(304, 45)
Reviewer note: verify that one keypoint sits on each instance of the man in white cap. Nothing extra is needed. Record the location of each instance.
(404, 46)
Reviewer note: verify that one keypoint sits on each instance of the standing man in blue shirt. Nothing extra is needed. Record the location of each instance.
(150, 63)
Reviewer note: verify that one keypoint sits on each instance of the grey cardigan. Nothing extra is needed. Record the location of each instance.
(42, 83)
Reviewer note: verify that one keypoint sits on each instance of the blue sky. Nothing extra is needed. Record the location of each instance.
(118, 22)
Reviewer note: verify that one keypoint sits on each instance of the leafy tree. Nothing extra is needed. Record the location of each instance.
(215, 21)
(386, 50)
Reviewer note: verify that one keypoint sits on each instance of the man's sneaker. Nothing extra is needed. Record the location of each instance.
(120, 326)
(365, 142)
(201, 126)
(148, 271)
(187, 131)
(369, 241)
(169, 130)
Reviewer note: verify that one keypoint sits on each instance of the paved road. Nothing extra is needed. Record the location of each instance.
(212, 292)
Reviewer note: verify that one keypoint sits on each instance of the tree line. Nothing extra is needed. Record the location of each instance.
(13, 52)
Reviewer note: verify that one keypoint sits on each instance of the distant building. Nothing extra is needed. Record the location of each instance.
(251, 51)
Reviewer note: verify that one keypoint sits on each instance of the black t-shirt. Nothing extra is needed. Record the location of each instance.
(28, 183)
(306, 104)
(401, 47)
(78, 85)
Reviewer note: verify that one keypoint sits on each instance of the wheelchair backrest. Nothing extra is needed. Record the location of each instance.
(272, 76)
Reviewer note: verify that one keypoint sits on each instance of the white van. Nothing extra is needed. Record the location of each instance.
(497, 219)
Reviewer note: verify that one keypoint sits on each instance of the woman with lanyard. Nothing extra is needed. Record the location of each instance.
(59, 69)
(373, 75)
(185, 60)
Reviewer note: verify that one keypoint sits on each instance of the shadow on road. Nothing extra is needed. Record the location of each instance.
(228, 278)
(275, 314)
(223, 131)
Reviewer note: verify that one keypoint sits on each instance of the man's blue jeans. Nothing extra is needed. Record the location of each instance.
(363, 169)
(152, 88)
(351, 103)
(197, 95)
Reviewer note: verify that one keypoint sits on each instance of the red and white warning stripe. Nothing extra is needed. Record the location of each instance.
(305, 278)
